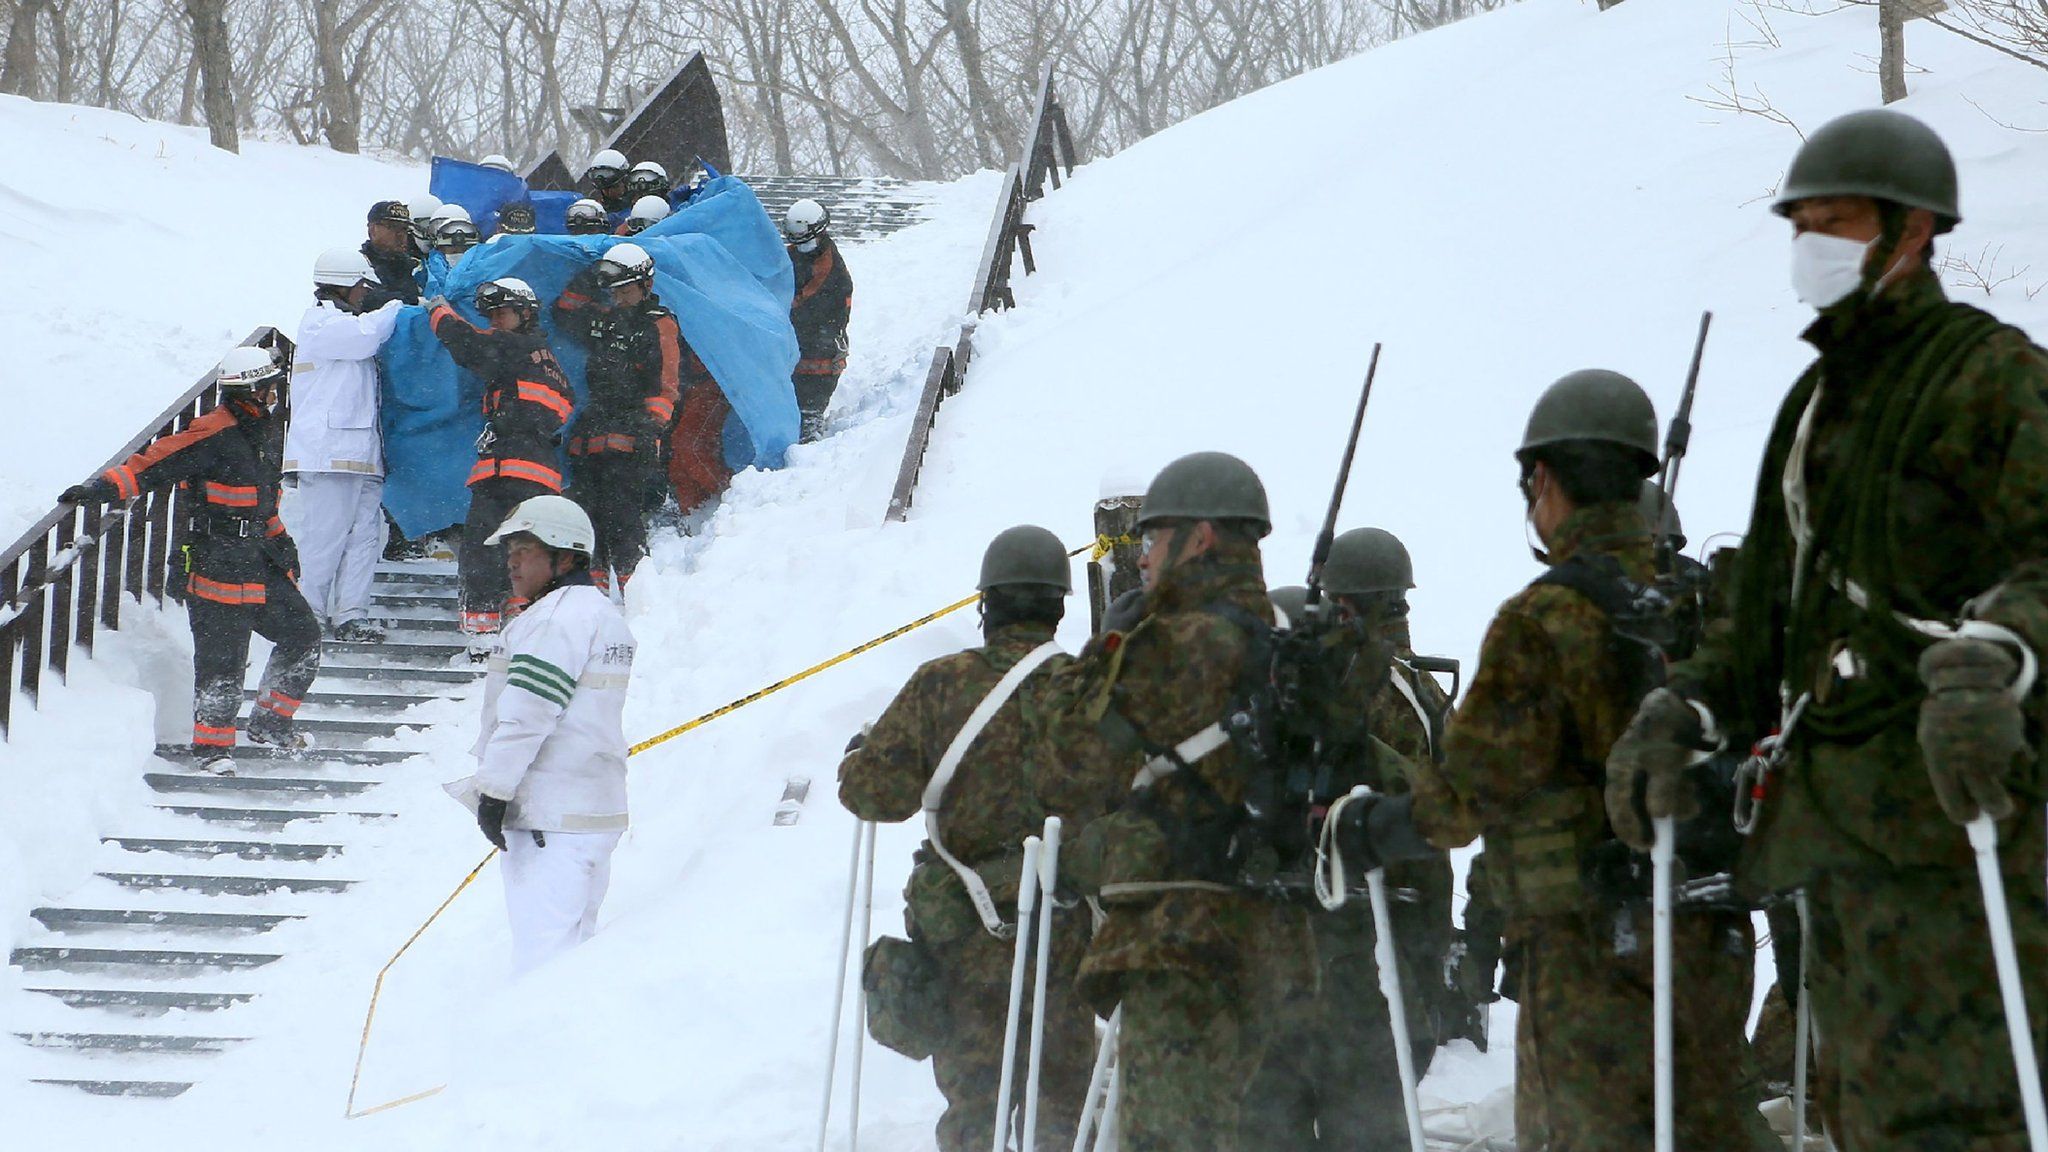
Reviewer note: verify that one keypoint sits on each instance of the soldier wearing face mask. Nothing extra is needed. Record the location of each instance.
(1891, 588)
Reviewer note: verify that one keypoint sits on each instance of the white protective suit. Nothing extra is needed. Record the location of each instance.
(336, 511)
(554, 744)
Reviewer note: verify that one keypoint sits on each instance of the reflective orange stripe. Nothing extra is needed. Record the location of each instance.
(821, 366)
(528, 470)
(278, 702)
(661, 408)
(123, 479)
(209, 736)
(484, 470)
(546, 397)
(231, 495)
(276, 527)
(220, 593)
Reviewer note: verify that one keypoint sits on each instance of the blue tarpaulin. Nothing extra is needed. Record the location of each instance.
(720, 266)
(481, 190)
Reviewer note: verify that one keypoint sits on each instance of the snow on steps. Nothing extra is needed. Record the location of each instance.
(212, 885)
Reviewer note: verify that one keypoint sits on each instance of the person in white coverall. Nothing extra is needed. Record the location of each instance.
(550, 784)
(334, 446)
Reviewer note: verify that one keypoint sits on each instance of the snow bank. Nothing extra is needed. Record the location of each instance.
(136, 254)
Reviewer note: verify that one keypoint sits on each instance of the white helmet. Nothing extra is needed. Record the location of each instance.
(343, 268)
(647, 178)
(607, 167)
(585, 216)
(495, 160)
(649, 208)
(557, 521)
(506, 292)
(625, 264)
(247, 367)
(447, 212)
(805, 221)
(423, 209)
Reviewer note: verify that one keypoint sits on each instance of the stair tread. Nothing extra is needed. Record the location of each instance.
(53, 918)
(183, 753)
(289, 785)
(230, 885)
(278, 816)
(156, 1089)
(210, 847)
(145, 998)
(151, 957)
(153, 1042)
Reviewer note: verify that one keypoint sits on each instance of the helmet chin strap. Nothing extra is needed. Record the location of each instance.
(1530, 532)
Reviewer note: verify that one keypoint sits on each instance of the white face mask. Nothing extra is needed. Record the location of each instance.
(1826, 269)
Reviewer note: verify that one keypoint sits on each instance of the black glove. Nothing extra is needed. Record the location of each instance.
(94, 491)
(285, 551)
(490, 816)
(1124, 612)
(1378, 830)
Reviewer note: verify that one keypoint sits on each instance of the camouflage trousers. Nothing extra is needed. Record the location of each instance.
(1584, 1044)
(1330, 1078)
(1910, 1025)
(967, 1063)
(1184, 1053)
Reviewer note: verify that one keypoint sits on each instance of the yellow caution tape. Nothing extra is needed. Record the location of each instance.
(377, 989)
(1104, 545)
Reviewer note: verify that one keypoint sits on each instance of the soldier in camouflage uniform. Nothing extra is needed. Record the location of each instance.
(1904, 484)
(1555, 684)
(1329, 1078)
(1183, 946)
(988, 809)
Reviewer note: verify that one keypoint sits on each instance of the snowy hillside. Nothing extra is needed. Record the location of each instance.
(1501, 201)
(137, 253)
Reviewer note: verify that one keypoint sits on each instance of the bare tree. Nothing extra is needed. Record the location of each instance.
(344, 37)
(20, 74)
(216, 77)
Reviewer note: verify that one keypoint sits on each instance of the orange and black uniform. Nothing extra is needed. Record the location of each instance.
(634, 377)
(819, 313)
(526, 402)
(240, 564)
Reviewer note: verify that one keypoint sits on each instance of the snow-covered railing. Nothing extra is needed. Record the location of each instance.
(1048, 155)
(63, 580)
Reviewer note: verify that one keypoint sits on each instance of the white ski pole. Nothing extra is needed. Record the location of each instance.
(1662, 853)
(1106, 1137)
(1027, 904)
(860, 1015)
(1048, 885)
(1098, 1081)
(860, 833)
(1803, 1030)
(1984, 842)
(1397, 1007)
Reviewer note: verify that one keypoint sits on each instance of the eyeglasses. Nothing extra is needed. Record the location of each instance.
(1152, 538)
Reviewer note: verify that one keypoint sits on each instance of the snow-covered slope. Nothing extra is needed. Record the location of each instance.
(137, 254)
(1499, 202)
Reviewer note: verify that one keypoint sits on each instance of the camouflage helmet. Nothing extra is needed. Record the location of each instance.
(1660, 515)
(1026, 554)
(1598, 405)
(1366, 560)
(1878, 153)
(1206, 486)
(1291, 602)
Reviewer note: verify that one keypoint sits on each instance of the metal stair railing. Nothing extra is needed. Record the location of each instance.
(1048, 154)
(62, 581)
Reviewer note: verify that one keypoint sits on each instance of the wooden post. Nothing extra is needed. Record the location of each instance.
(62, 584)
(1891, 53)
(1113, 565)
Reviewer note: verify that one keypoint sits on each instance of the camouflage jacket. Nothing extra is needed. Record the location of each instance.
(989, 807)
(1423, 925)
(1175, 673)
(1925, 487)
(1524, 756)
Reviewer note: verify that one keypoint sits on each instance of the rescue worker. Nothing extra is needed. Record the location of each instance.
(1330, 1077)
(496, 160)
(607, 179)
(633, 378)
(1559, 673)
(239, 561)
(422, 209)
(647, 179)
(389, 250)
(647, 212)
(515, 219)
(586, 218)
(334, 446)
(1888, 591)
(454, 234)
(526, 402)
(550, 783)
(820, 311)
(982, 814)
(1134, 746)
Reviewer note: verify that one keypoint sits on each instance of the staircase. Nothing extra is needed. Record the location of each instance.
(144, 973)
(863, 207)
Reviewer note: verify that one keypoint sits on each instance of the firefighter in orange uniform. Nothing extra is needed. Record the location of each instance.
(240, 564)
(527, 400)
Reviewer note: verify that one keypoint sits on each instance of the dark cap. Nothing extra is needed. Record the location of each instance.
(390, 212)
